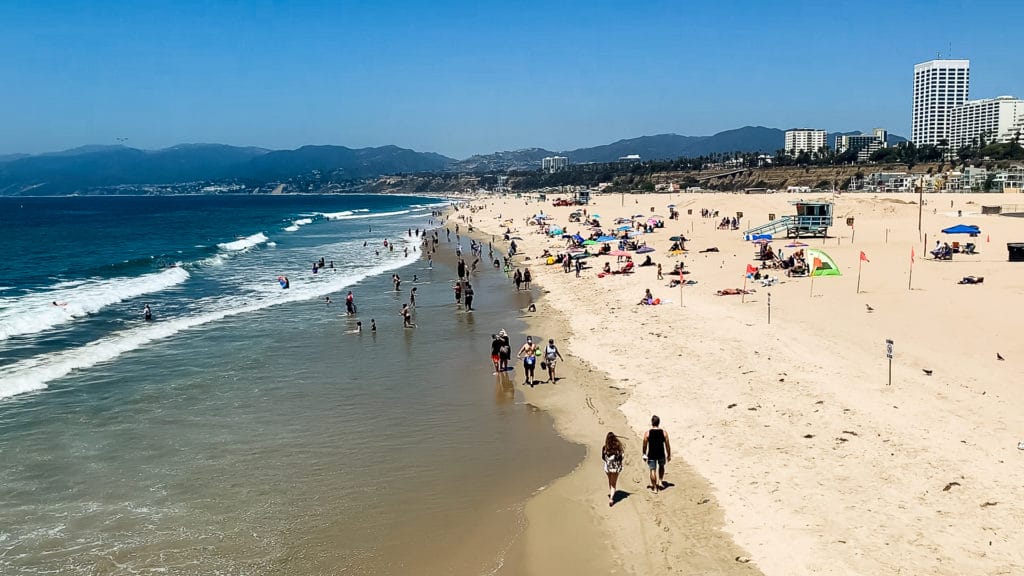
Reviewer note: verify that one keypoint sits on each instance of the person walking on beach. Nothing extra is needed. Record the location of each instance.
(527, 277)
(579, 266)
(461, 268)
(613, 456)
(657, 452)
(529, 355)
(496, 353)
(458, 292)
(504, 351)
(551, 354)
(469, 296)
(517, 278)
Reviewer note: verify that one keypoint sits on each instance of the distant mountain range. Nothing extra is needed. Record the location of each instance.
(83, 169)
(658, 147)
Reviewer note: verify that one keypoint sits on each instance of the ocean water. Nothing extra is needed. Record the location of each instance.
(246, 430)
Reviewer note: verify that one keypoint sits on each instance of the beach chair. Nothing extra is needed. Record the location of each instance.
(956, 247)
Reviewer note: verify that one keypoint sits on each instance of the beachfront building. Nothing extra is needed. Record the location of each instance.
(808, 140)
(864, 144)
(554, 163)
(990, 120)
(630, 158)
(939, 87)
(891, 182)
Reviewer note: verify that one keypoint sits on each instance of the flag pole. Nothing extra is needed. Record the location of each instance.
(812, 282)
(743, 295)
(910, 278)
(860, 263)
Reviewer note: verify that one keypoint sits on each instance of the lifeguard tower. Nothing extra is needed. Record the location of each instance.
(811, 219)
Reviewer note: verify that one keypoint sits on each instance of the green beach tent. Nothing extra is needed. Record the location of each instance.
(821, 263)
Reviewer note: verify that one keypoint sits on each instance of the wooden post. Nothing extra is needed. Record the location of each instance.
(769, 308)
(860, 264)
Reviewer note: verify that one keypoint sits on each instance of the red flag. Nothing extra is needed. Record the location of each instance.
(911, 254)
(751, 269)
(681, 279)
(817, 263)
(864, 256)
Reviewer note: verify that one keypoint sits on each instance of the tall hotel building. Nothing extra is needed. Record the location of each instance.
(939, 86)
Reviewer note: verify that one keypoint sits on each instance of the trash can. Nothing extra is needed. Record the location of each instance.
(1016, 250)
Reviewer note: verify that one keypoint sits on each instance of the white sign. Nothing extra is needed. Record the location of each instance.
(888, 349)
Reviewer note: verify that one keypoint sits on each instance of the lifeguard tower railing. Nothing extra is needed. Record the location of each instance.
(794, 226)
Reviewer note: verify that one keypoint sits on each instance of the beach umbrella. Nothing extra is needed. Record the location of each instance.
(579, 255)
(761, 242)
(671, 206)
(589, 242)
(595, 215)
(606, 239)
(645, 250)
(823, 264)
(624, 228)
(676, 238)
(619, 253)
(517, 238)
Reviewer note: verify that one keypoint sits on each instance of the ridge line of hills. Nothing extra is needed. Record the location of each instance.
(86, 168)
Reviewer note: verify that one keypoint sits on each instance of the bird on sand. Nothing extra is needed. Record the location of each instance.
(999, 356)
(927, 371)
(870, 309)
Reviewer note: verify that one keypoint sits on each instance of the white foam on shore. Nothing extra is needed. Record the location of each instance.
(35, 312)
(244, 243)
(35, 373)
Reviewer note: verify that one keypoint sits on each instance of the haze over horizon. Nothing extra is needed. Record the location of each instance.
(465, 78)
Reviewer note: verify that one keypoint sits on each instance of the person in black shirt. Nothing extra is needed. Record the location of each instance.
(657, 452)
(495, 352)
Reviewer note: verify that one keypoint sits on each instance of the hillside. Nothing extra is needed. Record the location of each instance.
(81, 169)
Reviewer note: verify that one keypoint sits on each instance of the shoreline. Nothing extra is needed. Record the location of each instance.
(816, 464)
(569, 526)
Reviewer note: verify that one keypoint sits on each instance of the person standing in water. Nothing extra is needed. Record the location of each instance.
(373, 325)
(612, 454)
(551, 354)
(147, 313)
(657, 452)
(517, 278)
(495, 353)
(430, 261)
(469, 296)
(412, 297)
(504, 351)
(529, 355)
(397, 280)
(406, 314)
(350, 304)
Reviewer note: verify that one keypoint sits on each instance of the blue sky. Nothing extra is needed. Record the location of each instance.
(474, 77)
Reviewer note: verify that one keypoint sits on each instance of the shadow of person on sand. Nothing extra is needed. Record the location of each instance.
(619, 496)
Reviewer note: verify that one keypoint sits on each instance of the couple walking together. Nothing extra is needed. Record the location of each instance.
(656, 452)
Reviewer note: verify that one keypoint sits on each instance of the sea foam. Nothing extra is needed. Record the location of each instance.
(244, 243)
(297, 223)
(35, 373)
(35, 312)
(349, 215)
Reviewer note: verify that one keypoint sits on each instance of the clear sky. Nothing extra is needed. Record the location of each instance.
(473, 77)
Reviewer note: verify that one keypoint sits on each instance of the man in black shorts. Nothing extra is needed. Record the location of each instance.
(657, 452)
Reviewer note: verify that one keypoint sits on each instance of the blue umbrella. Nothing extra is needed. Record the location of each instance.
(624, 228)
(606, 238)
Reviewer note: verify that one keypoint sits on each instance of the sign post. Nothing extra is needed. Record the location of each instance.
(888, 354)
(769, 307)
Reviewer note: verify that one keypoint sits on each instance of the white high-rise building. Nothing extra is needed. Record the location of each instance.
(939, 86)
(990, 119)
(805, 140)
(554, 163)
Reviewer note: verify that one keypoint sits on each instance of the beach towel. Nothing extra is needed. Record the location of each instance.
(732, 292)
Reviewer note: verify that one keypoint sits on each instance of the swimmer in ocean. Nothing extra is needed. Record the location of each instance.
(61, 304)
(147, 313)
(327, 300)
(373, 325)
(358, 330)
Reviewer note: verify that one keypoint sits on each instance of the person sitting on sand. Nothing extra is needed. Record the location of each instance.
(607, 268)
(648, 298)
(971, 280)
(627, 267)
(647, 261)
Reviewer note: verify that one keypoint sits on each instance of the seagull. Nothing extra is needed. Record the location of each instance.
(870, 309)
(999, 356)
(927, 371)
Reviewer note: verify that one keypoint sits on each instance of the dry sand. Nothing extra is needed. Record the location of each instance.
(786, 435)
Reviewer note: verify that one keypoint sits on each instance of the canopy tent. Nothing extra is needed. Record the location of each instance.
(619, 253)
(963, 229)
(821, 263)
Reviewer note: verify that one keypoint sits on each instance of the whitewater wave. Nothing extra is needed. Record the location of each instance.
(350, 215)
(33, 374)
(244, 243)
(35, 312)
(297, 223)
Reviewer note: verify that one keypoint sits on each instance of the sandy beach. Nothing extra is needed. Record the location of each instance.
(793, 455)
